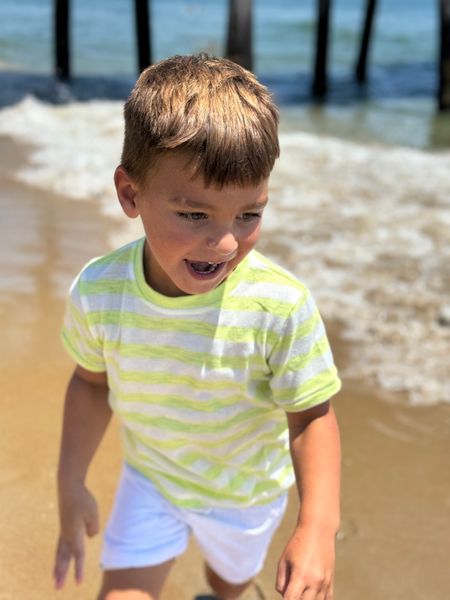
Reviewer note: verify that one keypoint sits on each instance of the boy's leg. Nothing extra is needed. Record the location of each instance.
(234, 543)
(143, 583)
(142, 539)
(224, 589)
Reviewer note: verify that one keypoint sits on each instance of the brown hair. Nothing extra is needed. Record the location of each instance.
(210, 109)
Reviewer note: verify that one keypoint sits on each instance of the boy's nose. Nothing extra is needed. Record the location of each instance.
(223, 242)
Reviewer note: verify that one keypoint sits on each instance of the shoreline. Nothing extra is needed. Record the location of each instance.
(393, 541)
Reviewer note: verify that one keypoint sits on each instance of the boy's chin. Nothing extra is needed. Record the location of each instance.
(197, 289)
(202, 287)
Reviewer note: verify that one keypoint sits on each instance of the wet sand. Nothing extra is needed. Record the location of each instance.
(394, 542)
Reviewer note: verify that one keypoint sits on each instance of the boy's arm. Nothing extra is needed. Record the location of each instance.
(86, 416)
(306, 567)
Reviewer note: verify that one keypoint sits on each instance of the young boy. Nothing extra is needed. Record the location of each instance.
(214, 359)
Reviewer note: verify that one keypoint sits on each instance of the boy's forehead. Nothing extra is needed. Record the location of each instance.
(258, 202)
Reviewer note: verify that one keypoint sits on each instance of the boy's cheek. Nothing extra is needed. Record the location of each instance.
(254, 236)
(177, 239)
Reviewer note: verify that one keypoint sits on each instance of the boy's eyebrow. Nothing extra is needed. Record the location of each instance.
(189, 203)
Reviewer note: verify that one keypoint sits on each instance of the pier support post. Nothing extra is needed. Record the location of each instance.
(62, 38)
(319, 87)
(361, 65)
(142, 21)
(239, 36)
(444, 58)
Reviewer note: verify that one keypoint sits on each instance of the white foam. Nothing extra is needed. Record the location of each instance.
(366, 226)
(76, 146)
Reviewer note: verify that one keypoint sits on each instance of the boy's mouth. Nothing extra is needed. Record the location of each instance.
(204, 269)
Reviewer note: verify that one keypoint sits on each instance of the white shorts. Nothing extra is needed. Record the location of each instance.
(145, 529)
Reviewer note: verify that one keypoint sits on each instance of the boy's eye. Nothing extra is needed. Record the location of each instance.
(192, 216)
(250, 216)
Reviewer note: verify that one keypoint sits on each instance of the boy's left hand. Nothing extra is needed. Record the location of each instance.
(306, 567)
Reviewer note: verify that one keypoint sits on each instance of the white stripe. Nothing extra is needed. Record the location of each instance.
(184, 341)
(259, 289)
(109, 271)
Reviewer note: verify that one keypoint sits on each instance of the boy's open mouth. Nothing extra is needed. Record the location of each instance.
(204, 268)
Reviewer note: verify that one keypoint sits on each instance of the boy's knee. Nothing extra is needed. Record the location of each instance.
(141, 583)
(224, 589)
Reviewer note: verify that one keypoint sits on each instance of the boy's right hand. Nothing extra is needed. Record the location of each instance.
(79, 516)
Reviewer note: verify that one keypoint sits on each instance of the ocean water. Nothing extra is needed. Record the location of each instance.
(360, 198)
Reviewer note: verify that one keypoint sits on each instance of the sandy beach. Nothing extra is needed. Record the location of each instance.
(394, 542)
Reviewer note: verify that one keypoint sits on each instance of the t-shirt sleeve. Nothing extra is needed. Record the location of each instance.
(303, 371)
(79, 336)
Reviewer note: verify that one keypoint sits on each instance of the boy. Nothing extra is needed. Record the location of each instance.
(214, 359)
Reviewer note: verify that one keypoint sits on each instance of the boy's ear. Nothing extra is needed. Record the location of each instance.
(126, 192)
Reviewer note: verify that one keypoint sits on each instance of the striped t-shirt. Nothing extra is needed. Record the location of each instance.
(201, 383)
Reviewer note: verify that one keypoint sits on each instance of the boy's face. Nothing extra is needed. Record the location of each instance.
(196, 236)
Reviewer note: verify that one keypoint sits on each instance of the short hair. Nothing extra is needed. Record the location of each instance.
(211, 110)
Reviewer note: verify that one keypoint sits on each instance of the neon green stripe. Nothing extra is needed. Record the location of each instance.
(315, 389)
(205, 492)
(107, 286)
(318, 349)
(304, 329)
(89, 361)
(218, 443)
(190, 357)
(266, 440)
(230, 333)
(175, 379)
(115, 257)
(277, 308)
(169, 424)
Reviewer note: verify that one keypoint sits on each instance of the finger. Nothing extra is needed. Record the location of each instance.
(62, 562)
(325, 589)
(329, 595)
(282, 577)
(321, 594)
(316, 592)
(308, 594)
(78, 554)
(79, 567)
(295, 588)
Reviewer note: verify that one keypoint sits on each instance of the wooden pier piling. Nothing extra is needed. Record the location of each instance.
(62, 38)
(444, 56)
(319, 87)
(239, 37)
(143, 33)
(361, 65)
(239, 41)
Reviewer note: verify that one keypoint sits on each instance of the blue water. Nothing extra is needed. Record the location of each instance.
(402, 67)
(103, 40)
